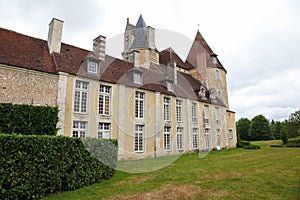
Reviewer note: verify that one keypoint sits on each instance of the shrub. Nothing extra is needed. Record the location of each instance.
(33, 166)
(246, 145)
(28, 119)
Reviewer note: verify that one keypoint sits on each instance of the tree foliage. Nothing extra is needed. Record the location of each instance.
(260, 128)
(293, 124)
(242, 128)
(275, 128)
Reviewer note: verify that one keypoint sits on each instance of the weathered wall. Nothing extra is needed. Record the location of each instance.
(23, 86)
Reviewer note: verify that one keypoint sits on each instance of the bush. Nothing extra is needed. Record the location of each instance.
(246, 145)
(33, 166)
(28, 119)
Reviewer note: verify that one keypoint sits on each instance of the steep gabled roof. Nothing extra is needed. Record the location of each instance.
(199, 47)
(168, 55)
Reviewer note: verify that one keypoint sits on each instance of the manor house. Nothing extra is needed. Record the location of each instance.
(153, 102)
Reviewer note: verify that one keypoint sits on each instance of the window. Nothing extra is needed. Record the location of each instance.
(218, 138)
(137, 78)
(179, 138)
(92, 67)
(179, 110)
(217, 116)
(219, 94)
(214, 60)
(139, 138)
(79, 129)
(230, 133)
(195, 138)
(167, 138)
(103, 130)
(167, 110)
(202, 92)
(170, 86)
(207, 138)
(104, 100)
(80, 98)
(217, 74)
(206, 114)
(139, 105)
(194, 113)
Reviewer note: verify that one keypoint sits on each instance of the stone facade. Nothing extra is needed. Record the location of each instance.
(24, 86)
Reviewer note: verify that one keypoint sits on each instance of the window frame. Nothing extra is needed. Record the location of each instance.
(179, 138)
(80, 102)
(179, 108)
(81, 131)
(105, 99)
(137, 78)
(105, 128)
(194, 113)
(139, 105)
(167, 109)
(167, 138)
(207, 138)
(96, 67)
(195, 138)
(139, 138)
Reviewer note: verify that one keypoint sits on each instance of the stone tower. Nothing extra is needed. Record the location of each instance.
(139, 44)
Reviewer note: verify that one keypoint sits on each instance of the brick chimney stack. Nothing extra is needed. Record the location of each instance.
(99, 44)
(54, 35)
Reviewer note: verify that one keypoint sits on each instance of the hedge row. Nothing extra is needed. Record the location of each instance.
(28, 119)
(33, 166)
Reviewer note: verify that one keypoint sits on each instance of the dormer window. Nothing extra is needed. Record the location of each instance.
(212, 94)
(137, 78)
(202, 92)
(93, 67)
(170, 86)
(214, 60)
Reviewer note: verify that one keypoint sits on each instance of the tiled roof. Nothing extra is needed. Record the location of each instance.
(24, 51)
(169, 54)
(200, 46)
(32, 53)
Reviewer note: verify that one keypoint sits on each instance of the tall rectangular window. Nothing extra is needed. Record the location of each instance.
(139, 105)
(218, 137)
(217, 75)
(104, 100)
(195, 138)
(179, 110)
(103, 130)
(167, 138)
(206, 114)
(81, 95)
(139, 138)
(230, 133)
(217, 116)
(167, 111)
(79, 129)
(194, 113)
(179, 135)
(207, 139)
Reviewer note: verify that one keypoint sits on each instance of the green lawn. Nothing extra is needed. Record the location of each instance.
(266, 173)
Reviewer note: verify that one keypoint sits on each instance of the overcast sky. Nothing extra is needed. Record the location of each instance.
(257, 41)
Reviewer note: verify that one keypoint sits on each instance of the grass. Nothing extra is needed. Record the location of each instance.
(266, 173)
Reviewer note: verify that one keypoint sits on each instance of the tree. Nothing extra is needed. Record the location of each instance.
(293, 124)
(284, 135)
(275, 128)
(242, 128)
(260, 128)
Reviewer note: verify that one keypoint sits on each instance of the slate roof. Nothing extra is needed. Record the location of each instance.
(32, 53)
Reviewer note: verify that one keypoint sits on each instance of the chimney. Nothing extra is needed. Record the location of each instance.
(151, 37)
(172, 71)
(54, 35)
(99, 44)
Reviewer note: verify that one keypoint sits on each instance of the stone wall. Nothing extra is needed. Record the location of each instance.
(23, 86)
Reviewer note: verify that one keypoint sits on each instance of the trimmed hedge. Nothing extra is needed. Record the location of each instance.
(28, 119)
(33, 166)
